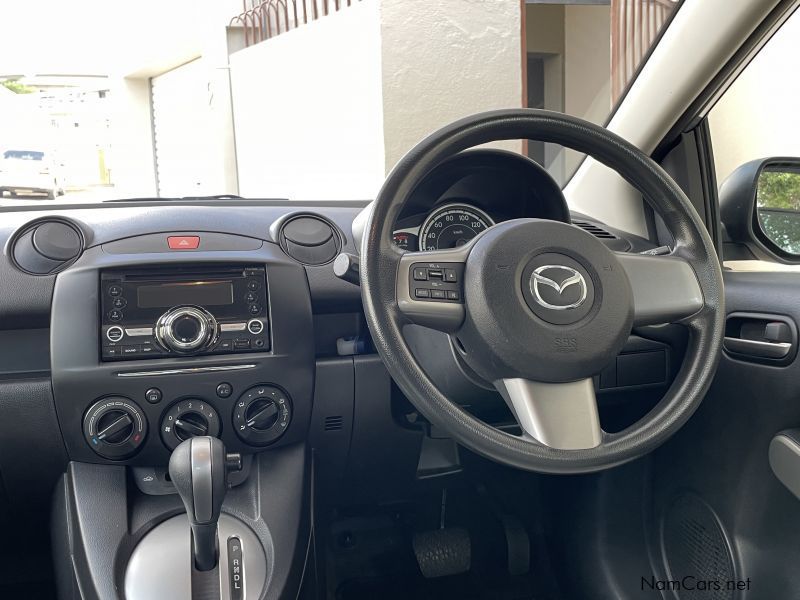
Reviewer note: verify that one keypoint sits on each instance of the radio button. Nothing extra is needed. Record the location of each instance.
(115, 315)
(254, 309)
(115, 333)
(119, 302)
(112, 351)
(130, 350)
(147, 349)
(255, 326)
(232, 326)
(251, 297)
(115, 290)
(138, 331)
(253, 285)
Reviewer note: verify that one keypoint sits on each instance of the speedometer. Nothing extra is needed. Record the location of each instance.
(451, 226)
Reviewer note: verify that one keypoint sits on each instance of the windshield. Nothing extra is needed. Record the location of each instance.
(297, 99)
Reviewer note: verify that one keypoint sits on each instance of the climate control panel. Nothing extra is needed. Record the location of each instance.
(116, 428)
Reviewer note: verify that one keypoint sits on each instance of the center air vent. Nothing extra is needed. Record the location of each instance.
(47, 246)
(310, 239)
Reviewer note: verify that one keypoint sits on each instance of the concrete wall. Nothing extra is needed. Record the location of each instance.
(758, 116)
(587, 67)
(308, 111)
(446, 60)
(544, 28)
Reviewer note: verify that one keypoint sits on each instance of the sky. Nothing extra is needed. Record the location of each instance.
(90, 36)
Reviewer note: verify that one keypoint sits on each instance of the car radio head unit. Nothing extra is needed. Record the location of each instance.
(148, 313)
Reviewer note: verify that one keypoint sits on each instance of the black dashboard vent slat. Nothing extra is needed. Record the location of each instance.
(334, 423)
(595, 230)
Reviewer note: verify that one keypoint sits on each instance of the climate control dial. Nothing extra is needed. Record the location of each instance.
(189, 418)
(115, 427)
(262, 414)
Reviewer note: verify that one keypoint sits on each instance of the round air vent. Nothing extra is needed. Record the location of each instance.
(310, 239)
(46, 247)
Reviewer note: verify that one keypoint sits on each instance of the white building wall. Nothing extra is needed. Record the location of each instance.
(446, 60)
(587, 67)
(307, 110)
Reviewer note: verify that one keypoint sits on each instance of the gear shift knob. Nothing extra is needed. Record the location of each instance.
(199, 469)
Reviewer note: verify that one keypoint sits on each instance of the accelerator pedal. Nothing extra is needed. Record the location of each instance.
(444, 551)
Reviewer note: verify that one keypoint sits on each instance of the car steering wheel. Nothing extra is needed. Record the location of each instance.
(543, 305)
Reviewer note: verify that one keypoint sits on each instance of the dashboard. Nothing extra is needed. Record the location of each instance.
(129, 326)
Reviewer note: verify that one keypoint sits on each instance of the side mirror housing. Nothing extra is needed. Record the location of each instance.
(760, 210)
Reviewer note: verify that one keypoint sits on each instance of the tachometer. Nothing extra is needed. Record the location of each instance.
(452, 225)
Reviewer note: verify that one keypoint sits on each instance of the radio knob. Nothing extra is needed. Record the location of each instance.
(186, 329)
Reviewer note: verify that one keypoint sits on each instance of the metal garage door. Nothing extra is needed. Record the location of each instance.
(181, 121)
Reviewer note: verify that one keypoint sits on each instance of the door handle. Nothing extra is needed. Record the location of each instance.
(774, 350)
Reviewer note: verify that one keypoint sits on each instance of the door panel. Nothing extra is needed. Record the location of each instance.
(717, 468)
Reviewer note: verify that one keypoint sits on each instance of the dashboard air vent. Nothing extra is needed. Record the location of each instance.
(310, 239)
(334, 423)
(46, 247)
(595, 230)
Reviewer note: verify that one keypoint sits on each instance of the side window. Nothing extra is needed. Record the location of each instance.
(755, 134)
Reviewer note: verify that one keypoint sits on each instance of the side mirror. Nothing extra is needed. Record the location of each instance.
(760, 210)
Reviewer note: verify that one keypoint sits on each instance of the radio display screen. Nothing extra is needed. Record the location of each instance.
(204, 293)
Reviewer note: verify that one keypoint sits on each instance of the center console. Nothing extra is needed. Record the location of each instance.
(154, 347)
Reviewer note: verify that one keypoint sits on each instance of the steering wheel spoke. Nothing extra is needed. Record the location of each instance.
(665, 288)
(430, 287)
(559, 415)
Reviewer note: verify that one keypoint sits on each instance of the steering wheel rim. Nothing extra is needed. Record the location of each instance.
(692, 269)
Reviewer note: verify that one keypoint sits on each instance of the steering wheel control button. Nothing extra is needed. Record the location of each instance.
(438, 282)
(114, 333)
(262, 414)
(189, 418)
(557, 288)
(114, 427)
(255, 326)
(183, 242)
(224, 390)
(153, 395)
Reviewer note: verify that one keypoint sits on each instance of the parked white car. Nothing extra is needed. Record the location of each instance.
(29, 172)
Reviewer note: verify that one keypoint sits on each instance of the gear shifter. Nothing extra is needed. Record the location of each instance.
(199, 469)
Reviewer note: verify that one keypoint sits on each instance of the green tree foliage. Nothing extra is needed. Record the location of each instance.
(17, 87)
(779, 189)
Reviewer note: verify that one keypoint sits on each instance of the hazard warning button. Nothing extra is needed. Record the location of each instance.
(183, 242)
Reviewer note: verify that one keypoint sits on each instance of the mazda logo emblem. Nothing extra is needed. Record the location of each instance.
(561, 279)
